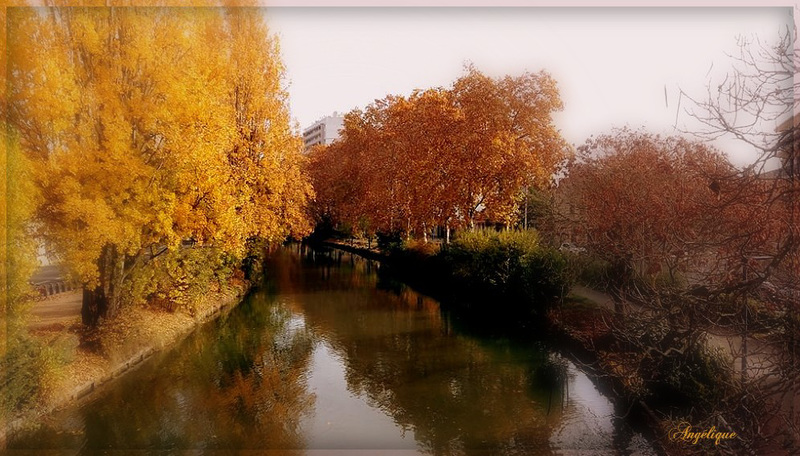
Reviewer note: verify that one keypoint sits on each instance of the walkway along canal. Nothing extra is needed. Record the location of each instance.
(329, 354)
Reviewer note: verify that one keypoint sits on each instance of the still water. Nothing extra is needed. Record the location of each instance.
(330, 357)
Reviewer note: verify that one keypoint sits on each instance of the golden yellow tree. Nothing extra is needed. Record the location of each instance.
(267, 168)
(148, 126)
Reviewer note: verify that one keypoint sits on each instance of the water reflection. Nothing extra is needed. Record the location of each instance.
(240, 383)
(332, 355)
(456, 393)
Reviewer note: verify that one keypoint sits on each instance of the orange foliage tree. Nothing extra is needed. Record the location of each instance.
(641, 199)
(441, 157)
(667, 210)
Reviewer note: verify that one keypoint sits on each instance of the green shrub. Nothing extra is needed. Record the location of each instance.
(511, 266)
(587, 270)
(492, 260)
(546, 276)
(177, 279)
(28, 369)
(389, 242)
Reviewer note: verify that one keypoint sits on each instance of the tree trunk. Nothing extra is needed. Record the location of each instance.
(527, 191)
(93, 307)
(620, 278)
(102, 302)
(447, 234)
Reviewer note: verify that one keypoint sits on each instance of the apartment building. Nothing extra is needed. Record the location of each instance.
(323, 131)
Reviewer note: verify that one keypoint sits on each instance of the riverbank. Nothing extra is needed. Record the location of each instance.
(93, 359)
(581, 326)
(365, 252)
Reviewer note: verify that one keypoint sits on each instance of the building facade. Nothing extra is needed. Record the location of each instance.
(789, 145)
(323, 131)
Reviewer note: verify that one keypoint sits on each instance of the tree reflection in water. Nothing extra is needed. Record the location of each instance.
(238, 383)
(326, 357)
(457, 393)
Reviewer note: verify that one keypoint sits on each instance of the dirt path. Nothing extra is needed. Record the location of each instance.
(759, 352)
(597, 297)
(58, 311)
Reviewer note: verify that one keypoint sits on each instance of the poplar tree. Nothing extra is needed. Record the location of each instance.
(149, 126)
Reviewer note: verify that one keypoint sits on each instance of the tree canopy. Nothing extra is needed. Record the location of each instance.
(668, 208)
(149, 126)
(441, 157)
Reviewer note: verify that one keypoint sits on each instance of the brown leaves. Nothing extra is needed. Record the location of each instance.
(670, 206)
(441, 156)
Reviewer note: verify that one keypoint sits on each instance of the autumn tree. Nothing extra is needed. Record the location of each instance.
(148, 126)
(442, 157)
(642, 200)
(667, 209)
(507, 140)
(689, 240)
(266, 169)
(756, 103)
(347, 179)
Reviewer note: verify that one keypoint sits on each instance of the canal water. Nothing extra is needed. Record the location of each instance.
(330, 357)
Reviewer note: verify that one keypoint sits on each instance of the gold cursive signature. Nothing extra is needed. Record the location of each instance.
(683, 431)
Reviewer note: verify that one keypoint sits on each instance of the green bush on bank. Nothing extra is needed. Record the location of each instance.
(28, 369)
(509, 271)
(176, 279)
(511, 265)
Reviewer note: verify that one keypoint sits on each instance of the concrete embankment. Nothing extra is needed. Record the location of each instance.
(360, 251)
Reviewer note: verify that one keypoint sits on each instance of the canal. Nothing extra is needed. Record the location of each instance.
(330, 355)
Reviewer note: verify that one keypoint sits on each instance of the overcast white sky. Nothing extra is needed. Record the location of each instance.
(612, 64)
